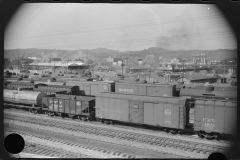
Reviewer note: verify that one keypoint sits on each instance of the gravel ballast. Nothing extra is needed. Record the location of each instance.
(112, 140)
(152, 133)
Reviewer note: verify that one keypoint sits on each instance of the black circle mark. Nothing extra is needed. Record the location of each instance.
(14, 143)
(218, 156)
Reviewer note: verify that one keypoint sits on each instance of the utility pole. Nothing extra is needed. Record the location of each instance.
(122, 67)
(18, 62)
(183, 69)
(224, 67)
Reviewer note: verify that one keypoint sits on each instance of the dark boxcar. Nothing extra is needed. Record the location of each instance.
(68, 89)
(165, 90)
(71, 105)
(169, 112)
(218, 92)
(215, 116)
(16, 85)
(92, 87)
(49, 91)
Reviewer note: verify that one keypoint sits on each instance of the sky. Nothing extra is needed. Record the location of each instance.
(123, 27)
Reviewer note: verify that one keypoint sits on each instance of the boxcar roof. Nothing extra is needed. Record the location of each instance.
(22, 83)
(145, 84)
(137, 97)
(71, 83)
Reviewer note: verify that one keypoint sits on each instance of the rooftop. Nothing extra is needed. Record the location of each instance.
(197, 77)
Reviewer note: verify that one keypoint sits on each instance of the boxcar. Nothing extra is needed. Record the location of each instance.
(46, 91)
(81, 107)
(16, 85)
(217, 92)
(91, 87)
(213, 117)
(68, 89)
(166, 112)
(49, 83)
(166, 90)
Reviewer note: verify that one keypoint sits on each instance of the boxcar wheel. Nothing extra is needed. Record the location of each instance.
(166, 130)
(35, 111)
(173, 131)
(30, 110)
(89, 119)
(200, 135)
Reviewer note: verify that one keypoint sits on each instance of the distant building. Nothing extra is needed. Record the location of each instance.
(117, 61)
(197, 79)
(202, 58)
(215, 62)
(160, 60)
(109, 59)
(175, 61)
(140, 62)
(33, 58)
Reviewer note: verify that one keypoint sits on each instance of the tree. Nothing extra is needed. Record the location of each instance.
(56, 59)
(173, 67)
(218, 70)
(17, 59)
(7, 63)
(105, 63)
(132, 62)
(152, 61)
(127, 70)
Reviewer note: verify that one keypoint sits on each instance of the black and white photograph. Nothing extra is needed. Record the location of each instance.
(123, 80)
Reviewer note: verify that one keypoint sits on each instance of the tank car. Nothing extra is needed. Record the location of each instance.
(24, 97)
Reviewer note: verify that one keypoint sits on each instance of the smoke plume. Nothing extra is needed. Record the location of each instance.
(176, 38)
(46, 57)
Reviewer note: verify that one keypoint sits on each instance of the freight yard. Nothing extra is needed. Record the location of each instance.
(120, 81)
(124, 118)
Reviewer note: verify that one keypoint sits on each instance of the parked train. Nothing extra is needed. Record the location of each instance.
(208, 110)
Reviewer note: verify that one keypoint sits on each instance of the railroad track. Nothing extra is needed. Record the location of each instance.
(150, 129)
(122, 135)
(118, 151)
(43, 150)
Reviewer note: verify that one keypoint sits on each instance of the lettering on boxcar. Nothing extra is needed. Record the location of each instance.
(167, 112)
(209, 123)
(78, 103)
(104, 87)
(208, 120)
(169, 122)
(125, 90)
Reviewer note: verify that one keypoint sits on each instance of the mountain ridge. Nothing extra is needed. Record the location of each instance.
(99, 53)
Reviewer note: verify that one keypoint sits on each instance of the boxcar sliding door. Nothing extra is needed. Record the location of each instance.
(136, 111)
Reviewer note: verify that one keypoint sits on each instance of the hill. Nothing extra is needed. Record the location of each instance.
(100, 53)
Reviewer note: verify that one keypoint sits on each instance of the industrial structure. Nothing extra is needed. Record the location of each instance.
(60, 66)
(200, 59)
